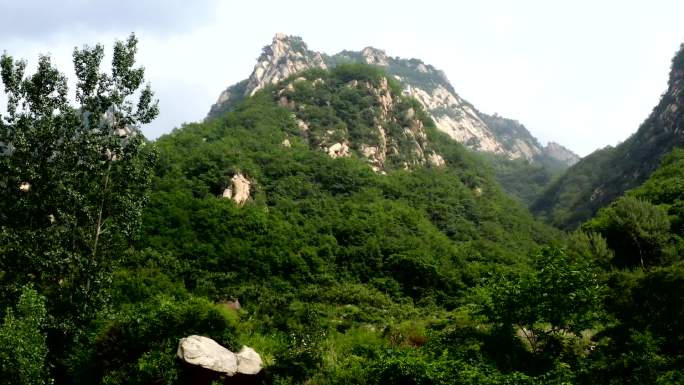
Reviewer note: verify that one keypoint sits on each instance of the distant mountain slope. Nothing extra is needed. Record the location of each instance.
(288, 55)
(601, 177)
(517, 140)
(281, 190)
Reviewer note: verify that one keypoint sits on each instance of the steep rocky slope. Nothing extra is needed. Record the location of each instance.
(453, 115)
(520, 144)
(355, 110)
(604, 175)
(559, 153)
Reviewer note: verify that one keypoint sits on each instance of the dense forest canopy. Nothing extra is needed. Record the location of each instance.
(112, 248)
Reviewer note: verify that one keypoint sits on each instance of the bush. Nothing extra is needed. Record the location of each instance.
(23, 350)
(138, 345)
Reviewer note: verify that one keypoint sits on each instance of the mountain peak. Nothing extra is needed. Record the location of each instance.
(390, 134)
(375, 56)
(285, 56)
(282, 36)
(288, 54)
(560, 153)
(283, 45)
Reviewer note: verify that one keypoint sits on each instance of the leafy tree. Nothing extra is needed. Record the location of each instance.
(561, 297)
(665, 187)
(636, 230)
(589, 246)
(73, 179)
(22, 342)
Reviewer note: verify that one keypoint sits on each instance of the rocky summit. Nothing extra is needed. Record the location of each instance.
(453, 115)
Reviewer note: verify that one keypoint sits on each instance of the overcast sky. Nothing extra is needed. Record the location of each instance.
(581, 73)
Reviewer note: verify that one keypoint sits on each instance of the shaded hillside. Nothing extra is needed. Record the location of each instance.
(643, 231)
(606, 174)
(523, 180)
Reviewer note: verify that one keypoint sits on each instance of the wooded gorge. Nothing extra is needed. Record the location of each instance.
(327, 223)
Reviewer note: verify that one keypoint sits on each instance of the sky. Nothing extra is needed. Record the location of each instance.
(581, 73)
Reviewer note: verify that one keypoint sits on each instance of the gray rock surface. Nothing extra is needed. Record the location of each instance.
(239, 190)
(207, 353)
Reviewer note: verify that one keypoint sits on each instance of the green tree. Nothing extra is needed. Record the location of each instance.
(561, 297)
(589, 246)
(636, 230)
(22, 342)
(73, 179)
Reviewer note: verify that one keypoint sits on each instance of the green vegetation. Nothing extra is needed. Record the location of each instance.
(425, 275)
(22, 342)
(524, 179)
(521, 179)
(603, 176)
(428, 79)
(73, 181)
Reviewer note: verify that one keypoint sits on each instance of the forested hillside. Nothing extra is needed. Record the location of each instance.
(325, 222)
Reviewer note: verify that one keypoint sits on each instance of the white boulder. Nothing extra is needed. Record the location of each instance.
(249, 361)
(239, 190)
(208, 354)
(338, 150)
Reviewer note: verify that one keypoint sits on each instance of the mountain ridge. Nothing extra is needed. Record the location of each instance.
(287, 55)
(604, 175)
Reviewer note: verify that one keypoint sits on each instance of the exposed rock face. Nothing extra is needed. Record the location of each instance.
(562, 154)
(375, 56)
(338, 150)
(375, 156)
(231, 304)
(239, 190)
(208, 354)
(284, 57)
(453, 115)
(249, 361)
(395, 134)
(515, 139)
(672, 115)
(519, 143)
(457, 118)
(436, 160)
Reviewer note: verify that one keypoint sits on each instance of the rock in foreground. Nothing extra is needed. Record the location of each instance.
(208, 354)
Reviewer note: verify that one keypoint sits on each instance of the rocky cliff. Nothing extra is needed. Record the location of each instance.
(560, 153)
(452, 114)
(355, 110)
(519, 143)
